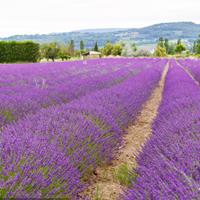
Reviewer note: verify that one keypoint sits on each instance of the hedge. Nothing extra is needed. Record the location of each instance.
(12, 51)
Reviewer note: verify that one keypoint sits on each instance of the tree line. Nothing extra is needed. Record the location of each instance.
(165, 48)
(28, 51)
(66, 51)
(52, 51)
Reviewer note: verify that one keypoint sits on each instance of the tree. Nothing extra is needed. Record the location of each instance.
(134, 47)
(179, 41)
(161, 42)
(180, 47)
(50, 51)
(82, 46)
(96, 48)
(71, 48)
(128, 48)
(171, 49)
(194, 49)
(107, 49)
(116, 50)
(63, 52)
(196, 46)
(166, 45)
(142, 52)
(160, 51)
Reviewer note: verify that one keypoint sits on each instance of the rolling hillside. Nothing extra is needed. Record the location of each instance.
(146, 36)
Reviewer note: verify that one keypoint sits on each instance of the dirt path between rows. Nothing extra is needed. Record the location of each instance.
(188, 72)
(104, 185)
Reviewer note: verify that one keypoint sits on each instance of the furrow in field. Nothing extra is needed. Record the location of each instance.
(105, 185)
(168, 166)
(188, 72)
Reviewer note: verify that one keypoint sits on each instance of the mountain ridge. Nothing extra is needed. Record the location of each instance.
(187, 31)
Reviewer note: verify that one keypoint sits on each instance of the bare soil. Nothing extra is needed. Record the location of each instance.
(104, 179)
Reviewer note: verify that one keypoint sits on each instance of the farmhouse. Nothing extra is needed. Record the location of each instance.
(90, 55)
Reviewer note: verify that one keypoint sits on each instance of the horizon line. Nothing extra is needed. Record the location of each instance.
(98, 28)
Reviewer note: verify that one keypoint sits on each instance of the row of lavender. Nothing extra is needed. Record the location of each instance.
(169, 166)
(23, 91)
(28, 75)
(51, 153)
(193, 66)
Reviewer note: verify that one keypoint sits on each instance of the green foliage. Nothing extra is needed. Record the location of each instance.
(171, 49)
(134, 47)
(124, 176)
(161, 42)
(129, 49)
(164, 43)
(196, 46)
(98, 194)
(50, 51)
(71, 48)
(107, 49)
(60, 51)
(142, 53)
(96, 47)
(180, 47)
(116, 50)
(160, 51)
(82, 46)
(112, 49)
(8, 116)
(3, 193)
(187, 53)
(11, 52)
(63, 52)
(164, 47)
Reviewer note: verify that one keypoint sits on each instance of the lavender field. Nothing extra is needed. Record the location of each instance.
(64, 127)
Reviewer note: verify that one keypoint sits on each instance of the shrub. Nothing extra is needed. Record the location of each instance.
(12, 51)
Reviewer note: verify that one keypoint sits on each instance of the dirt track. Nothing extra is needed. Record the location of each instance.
(188, 72)
(109, 188)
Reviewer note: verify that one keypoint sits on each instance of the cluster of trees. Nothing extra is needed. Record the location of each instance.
(66, 51)
(112, 49)
(127, 49)
(130, 50)
(63, 51)
(164, 47)
(54, 50)
(12, 52)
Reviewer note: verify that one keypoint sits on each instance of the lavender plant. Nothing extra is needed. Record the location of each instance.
(51, 153)
(193, 66)
(169, 164)
(27, 88)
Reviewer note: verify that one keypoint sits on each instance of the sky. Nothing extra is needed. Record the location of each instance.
(50, 16)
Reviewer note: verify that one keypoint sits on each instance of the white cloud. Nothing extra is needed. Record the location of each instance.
(45, 16)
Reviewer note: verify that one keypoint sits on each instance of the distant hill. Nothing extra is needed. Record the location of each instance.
(145, 37)
(104, 30)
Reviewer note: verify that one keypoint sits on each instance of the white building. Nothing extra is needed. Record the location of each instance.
(90, 55)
